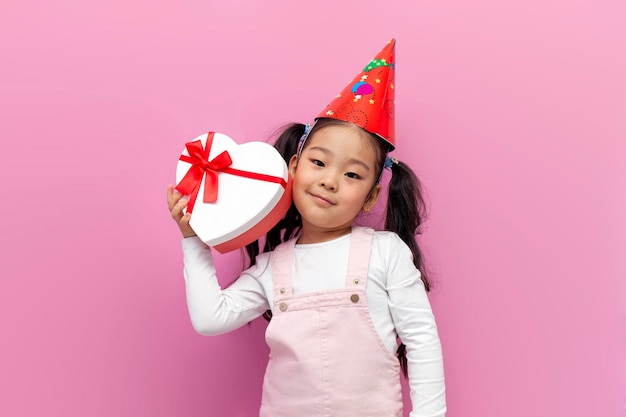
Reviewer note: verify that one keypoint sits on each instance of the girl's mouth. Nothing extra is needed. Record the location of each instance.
(322, 199)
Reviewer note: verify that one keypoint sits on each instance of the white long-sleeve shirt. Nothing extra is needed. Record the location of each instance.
(396, 298)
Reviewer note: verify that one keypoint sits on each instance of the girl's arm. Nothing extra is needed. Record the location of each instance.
(213, 310)
(416, 327)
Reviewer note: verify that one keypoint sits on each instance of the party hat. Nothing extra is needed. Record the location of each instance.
(368, 101)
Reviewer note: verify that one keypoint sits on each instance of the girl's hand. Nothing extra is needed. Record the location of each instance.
(176, 203)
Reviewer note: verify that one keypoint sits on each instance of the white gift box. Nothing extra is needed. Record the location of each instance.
(237, 192)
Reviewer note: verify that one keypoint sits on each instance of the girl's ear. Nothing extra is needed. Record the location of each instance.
(372, 198)
(293, 163)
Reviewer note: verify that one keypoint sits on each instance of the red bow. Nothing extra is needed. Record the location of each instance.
(200, 165)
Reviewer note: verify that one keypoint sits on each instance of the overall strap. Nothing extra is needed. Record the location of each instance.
(282, 268)
(359, 256)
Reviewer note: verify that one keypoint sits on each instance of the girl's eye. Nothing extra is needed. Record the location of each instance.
(317, 162)
(352, 175)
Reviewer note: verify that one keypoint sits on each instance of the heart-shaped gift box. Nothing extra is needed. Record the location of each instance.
(237, 192)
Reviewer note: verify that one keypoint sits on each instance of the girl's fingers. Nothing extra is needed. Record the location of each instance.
(176, 203)
(173, 197)
(177, 209)
(184, 220)
(170, 197)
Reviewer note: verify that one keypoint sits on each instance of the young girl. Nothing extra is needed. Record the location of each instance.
(339, 296)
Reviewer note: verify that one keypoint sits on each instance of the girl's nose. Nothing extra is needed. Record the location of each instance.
(329, 183)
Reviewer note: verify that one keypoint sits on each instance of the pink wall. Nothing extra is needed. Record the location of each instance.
(513, 114)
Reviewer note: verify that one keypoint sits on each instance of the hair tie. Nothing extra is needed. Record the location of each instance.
(307, 130)
(389, 162)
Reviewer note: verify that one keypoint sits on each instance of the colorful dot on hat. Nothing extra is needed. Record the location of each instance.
(362, 88)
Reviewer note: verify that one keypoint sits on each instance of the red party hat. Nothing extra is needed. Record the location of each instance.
(368, 101)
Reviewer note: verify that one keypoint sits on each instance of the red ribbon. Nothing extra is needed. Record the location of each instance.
(200, 165)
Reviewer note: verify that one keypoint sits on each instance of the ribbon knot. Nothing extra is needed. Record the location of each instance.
(201, 168)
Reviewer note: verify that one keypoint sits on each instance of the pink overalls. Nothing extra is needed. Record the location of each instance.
(326, 358)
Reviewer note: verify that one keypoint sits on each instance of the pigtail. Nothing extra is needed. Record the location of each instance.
(406, 211)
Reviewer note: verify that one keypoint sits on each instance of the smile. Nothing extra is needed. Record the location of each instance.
(321, 200)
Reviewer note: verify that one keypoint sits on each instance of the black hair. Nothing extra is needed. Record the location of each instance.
(405, 208)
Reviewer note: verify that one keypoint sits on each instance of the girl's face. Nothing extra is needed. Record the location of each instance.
(333, 180)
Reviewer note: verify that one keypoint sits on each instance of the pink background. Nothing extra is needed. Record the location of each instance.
(513, 113)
